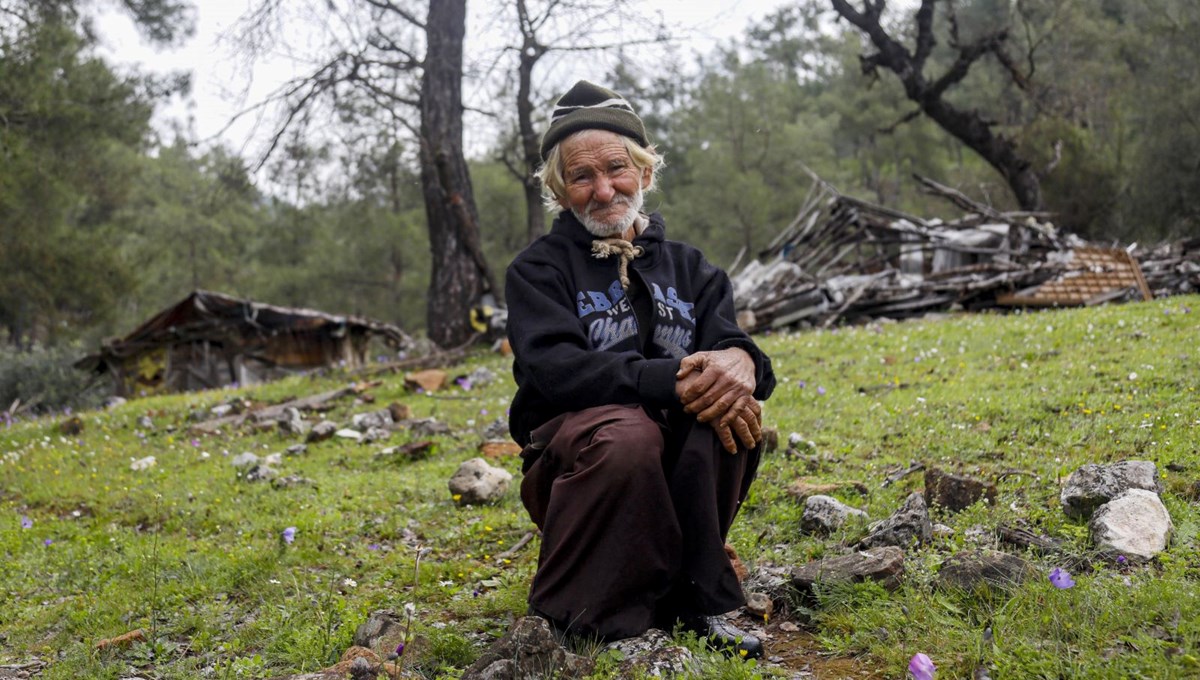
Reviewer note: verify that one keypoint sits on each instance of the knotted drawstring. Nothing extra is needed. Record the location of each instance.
(603, 247)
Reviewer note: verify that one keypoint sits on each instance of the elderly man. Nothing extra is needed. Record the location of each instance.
(637, 394)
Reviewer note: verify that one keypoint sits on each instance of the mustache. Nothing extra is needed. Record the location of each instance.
(619, 199)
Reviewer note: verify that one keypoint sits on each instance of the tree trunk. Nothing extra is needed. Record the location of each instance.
(460, 275)
(535, 214)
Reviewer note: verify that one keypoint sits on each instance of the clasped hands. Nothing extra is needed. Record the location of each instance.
(718, 388)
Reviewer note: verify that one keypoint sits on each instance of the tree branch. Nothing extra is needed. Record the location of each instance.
(387, 6)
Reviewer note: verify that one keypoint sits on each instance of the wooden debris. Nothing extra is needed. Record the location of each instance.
(409, 451)
(120, 641)
(846, 260)
(507, 554)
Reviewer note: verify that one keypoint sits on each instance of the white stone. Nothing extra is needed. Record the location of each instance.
(477, 482)
(244, 460)
(826, 514)
(1135, 524)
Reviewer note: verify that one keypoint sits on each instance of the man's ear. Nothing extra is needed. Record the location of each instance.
(647, 174)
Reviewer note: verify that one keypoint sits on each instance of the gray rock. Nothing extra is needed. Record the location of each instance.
(942, 531)
(477, 482)
(114, 401)
(261, 473)
(293, 423)
(375, 434)
(372, 420)
(1135, 524)
(347, 433)
(825, 514)
(381, 626)
(974, 570)
(497, 429)
(296, 449)
(244, 460)
(322, 431)
(222, 410)
(528, 650)
(481, 376)
(653, 654)
(428, 427)
(759, 605)
(910, 524)
(955, 492)
(772, 581)
(290, 481)
(884, 564)
(1093, 485)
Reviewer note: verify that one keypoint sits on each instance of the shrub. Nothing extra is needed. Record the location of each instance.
(45, 381)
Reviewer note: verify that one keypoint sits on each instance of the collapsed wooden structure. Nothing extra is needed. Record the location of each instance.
(211, 340)
(844, 259)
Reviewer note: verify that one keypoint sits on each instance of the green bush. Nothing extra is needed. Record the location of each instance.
(45, 381)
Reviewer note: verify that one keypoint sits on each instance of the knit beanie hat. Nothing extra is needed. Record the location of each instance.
(587, 106)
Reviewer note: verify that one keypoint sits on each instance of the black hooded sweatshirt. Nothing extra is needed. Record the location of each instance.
(575, 335)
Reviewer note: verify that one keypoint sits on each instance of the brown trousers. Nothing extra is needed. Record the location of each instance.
(634, 508)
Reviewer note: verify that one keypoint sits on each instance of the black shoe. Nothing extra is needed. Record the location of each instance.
(725, 636)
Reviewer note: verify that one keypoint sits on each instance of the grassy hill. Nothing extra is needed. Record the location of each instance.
(194, 556)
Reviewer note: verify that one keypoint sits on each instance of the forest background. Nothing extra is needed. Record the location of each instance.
(105, 220)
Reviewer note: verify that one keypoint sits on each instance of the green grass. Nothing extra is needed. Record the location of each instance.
(193, 555)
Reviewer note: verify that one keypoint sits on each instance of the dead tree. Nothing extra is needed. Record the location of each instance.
(969, 127)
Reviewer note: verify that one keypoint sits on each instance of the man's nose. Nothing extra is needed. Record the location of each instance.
(603, 189)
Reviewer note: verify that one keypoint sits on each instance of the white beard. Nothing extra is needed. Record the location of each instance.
(601, 229)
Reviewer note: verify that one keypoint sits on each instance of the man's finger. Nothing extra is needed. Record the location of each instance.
(726, 437)
(718, 409)
(699, 389)
(692, 362)
(744, 432)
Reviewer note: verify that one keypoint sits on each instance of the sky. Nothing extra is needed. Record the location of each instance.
(224, 84)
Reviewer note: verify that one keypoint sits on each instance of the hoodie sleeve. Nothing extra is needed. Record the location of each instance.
(717, 326)
(550, 346)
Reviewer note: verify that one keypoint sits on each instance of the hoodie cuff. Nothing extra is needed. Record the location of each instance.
(656, 382)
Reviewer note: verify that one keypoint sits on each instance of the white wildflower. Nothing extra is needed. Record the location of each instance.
(138, 464)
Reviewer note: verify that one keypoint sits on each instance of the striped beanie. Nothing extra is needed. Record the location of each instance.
(587, 106)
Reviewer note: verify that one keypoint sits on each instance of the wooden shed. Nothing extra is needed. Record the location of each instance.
(210, 340)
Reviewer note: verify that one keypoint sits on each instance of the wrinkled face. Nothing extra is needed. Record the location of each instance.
(604, 187)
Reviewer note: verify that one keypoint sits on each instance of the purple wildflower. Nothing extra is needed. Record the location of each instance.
(1122, 560)
(196, 442)
(802, 384)
(373, 546)
(26, 523)
(820, 390)
(483, 411)
(288, 535)
(47, 542)
(1061, 579)
(921, 667)
(464, 383)
(400, 649)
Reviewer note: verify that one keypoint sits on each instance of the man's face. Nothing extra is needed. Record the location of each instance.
(604, 187)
